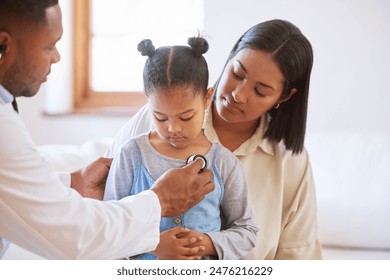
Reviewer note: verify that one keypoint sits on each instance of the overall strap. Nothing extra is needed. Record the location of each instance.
(138, 152)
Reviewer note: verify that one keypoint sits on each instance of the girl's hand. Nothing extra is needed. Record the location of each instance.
(203, 241)
(175, 245)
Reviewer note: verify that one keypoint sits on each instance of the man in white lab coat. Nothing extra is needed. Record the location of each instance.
(38, 210)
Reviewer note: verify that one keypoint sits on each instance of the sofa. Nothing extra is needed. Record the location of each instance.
(352, 175)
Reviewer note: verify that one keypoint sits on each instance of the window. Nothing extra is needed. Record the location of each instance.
(108, 67)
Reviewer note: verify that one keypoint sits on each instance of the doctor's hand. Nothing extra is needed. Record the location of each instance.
(91, 180)
(179, 189)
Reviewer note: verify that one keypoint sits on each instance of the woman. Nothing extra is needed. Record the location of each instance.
(259, 113)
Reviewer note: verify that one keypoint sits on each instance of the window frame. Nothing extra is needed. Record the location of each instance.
(85, 99)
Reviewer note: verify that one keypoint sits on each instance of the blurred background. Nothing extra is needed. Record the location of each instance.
(349, 88)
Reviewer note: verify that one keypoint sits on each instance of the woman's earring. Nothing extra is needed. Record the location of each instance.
(269, 117)
(277, 106)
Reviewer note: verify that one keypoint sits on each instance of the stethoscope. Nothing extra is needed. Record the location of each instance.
(191, 158)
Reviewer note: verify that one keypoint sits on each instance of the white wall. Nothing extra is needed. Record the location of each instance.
(349, 89)
(67, 129)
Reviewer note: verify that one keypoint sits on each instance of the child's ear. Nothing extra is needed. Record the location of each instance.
(209, 96)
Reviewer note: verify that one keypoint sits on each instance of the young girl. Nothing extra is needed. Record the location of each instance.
(175, 82)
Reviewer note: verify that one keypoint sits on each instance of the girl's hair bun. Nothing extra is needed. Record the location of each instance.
(146, 48)
(198, 45)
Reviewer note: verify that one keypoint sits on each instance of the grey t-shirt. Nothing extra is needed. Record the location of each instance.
(238, 231)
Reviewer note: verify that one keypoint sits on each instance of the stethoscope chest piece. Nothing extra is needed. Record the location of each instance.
(191, 158)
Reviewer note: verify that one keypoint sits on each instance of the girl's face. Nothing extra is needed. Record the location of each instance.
(250, 85)
(178, 114)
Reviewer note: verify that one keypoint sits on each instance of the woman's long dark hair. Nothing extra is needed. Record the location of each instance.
(293, 53)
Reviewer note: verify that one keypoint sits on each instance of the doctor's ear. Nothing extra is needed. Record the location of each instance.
(5, 40)
(2, 49)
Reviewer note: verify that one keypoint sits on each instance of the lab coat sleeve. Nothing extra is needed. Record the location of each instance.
(50, 219)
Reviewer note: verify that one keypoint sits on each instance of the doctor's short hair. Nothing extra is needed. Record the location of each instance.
(175, 66)
(29, 11)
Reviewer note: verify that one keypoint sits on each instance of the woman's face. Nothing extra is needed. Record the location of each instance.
(250, 85)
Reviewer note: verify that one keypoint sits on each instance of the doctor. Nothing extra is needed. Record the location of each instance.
(37, 211)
